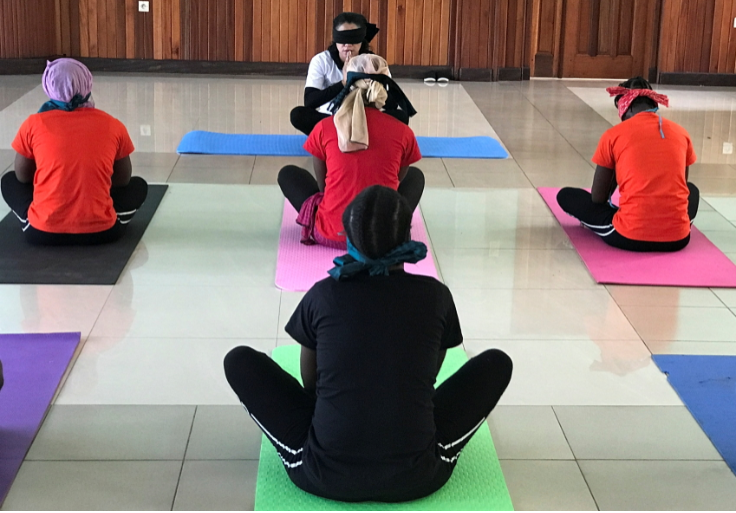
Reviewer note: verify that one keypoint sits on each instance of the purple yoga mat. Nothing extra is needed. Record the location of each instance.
(700, 264)
(298, 266)
(33, 366)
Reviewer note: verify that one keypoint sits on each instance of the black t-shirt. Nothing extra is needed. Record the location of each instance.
(377, 342)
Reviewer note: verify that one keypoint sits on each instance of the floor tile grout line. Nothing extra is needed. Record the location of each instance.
(555, 127)
(623, 312)
(184, 457)
(447, 172)
(577, 463)
(590, 490)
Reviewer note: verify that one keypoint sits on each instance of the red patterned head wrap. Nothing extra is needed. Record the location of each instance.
(629, 95)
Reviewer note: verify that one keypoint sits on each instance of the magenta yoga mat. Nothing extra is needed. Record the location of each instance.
(33, 365)
(700, 264)
(299, 266)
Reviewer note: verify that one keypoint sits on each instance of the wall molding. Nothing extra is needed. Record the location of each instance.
(699, 79)
(36, 67)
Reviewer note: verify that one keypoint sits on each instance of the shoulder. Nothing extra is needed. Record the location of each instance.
(33, 120)
(322, 60)
(104, 117)
(616, 130)
(320, 290)
(674, 126)
(425, 283)
(325, 126)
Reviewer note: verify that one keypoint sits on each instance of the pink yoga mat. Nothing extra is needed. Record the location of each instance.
(298, 266)
(700, 264)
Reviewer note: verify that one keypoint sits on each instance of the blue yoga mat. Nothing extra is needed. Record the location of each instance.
(213, 143)
(707, 386)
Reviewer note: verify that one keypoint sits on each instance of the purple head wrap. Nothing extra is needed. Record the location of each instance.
(66, 78)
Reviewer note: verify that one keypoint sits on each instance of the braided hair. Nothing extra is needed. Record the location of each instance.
(377, 221)
(637, 83)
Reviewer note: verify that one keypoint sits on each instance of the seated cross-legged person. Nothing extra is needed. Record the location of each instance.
(359, 146)
(368, 423)
(72, 182)
(351, 36)
(647, 158)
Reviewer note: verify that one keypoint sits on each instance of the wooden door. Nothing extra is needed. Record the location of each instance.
(609, 38)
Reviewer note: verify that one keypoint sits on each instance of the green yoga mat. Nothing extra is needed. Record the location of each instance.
(477, 484)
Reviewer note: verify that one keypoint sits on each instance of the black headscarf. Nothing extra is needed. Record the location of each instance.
(395, 94)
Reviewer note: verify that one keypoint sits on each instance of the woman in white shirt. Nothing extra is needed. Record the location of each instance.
(351, 35)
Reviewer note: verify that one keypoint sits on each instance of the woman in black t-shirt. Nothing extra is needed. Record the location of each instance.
(368, 423)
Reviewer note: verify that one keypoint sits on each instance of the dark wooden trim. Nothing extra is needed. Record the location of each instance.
(513, 74)
(36, 66)
(419, 72)
(22, 66)
(475, 74)
(653, 75)
(700, 79)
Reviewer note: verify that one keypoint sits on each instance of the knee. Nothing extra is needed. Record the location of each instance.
(568, 196)
(289, 174)
(415, 177)
(296, 116)
(238, 360)
(285, 175)
(497, 362)
(8, 179)
(139, 185)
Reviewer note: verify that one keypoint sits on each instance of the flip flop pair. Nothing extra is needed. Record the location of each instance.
(436, 78)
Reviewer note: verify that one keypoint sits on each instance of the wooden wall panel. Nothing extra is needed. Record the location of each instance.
(28, 28)
(698, 36)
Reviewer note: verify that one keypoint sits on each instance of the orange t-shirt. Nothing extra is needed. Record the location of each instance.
(391, 146)
(74, 154)
(650, 172)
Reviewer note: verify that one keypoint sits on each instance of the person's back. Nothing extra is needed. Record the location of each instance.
(650, 172)
(378, 341)
(367, 423)
(72, 183)
(392, 147)
(74, 154)
(647, 158)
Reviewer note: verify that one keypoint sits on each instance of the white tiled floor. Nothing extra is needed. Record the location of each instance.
(146, 419)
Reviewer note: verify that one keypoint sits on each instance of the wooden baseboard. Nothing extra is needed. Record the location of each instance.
(36, 66)
(513, 74)
(475, 74)
(700, 79)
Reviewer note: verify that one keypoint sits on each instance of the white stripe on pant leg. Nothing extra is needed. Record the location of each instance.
(607, 233)
(269, 435)
(451, 460)
(19, 217)
(466, 435)
(597, 226)
(127, 213)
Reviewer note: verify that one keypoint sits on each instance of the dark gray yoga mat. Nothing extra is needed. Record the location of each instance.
(21, 263)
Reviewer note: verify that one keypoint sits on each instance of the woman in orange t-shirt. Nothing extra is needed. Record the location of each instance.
(358, 147)
(648, 159)
(72, 182)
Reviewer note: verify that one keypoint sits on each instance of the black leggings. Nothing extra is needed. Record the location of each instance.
(598, 217)
(298, 185)
(126, 201)
(284, 410)
(305, 119)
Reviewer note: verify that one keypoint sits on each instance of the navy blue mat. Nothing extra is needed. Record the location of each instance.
(213, 143)
(707, 386)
